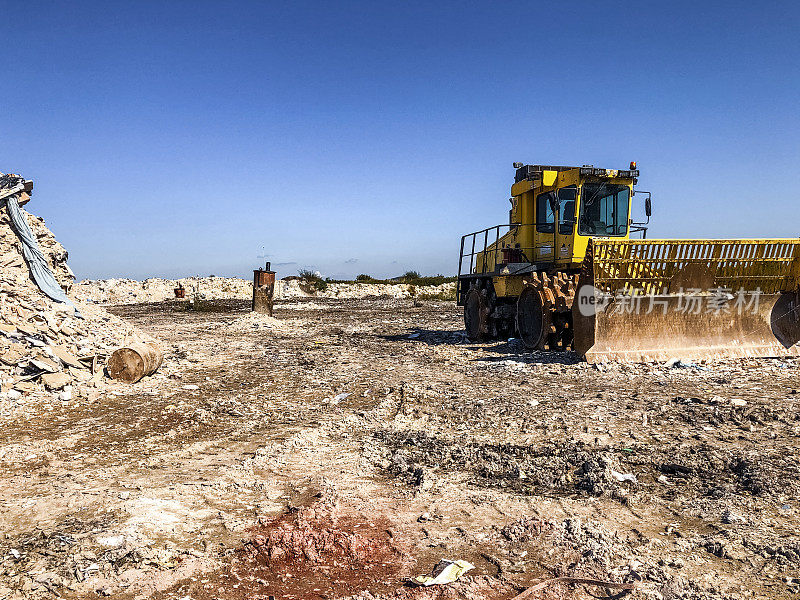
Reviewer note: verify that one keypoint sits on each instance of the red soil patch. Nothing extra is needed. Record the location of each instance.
(316, 552)
(313, 553)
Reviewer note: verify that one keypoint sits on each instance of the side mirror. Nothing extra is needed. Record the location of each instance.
(648, 207)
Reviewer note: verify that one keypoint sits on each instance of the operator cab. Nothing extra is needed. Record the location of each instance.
(555, 211)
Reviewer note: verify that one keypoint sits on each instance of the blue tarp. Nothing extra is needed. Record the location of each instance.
(37, 263)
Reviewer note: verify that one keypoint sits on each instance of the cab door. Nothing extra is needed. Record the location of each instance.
(567, 198)
(545, 229)
(555, 225)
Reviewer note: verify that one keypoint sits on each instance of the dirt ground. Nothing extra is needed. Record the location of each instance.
(350, 444)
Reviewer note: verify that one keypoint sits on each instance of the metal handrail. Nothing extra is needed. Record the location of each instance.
(491, 248)
(472, 254)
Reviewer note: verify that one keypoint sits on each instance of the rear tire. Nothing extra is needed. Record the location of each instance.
(532, 321)
(476, 315)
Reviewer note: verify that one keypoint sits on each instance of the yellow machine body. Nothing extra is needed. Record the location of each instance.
(540, 241)
(564, 273)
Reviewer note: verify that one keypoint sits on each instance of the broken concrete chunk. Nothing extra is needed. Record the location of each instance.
(55, 381)
(11, 357)
(27, 329)
(44, 364)
(67, 358)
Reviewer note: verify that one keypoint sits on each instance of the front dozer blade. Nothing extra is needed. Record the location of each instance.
(652, 300)
(614, 334)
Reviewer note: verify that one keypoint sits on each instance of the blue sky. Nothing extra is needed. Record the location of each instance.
(182, 138)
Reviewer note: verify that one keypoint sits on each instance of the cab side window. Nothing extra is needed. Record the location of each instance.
(545, 219)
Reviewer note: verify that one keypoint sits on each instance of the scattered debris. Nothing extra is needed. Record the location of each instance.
(630, 477)
(516, 461)
(446, 571)
(626, 588)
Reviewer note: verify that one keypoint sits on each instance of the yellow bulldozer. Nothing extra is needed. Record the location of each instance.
(565, 273)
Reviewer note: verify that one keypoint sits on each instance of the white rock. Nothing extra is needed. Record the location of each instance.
(623, 476)
(112, 541)
(339, 397)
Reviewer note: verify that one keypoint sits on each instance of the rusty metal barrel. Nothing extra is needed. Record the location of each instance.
(263, 289)
(134, 361)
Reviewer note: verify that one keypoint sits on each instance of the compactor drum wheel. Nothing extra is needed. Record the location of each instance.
(544, 311)
(532, 319)
(476, 315)
(785, 319)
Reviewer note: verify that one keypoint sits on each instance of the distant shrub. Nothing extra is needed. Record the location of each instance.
(432, 280)
(410, 278)
(311, 282)
(444, 295)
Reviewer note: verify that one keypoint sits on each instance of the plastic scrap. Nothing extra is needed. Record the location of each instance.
(447, 571)
(37, 263)
(339, 397)
(683, 363)
(623, 476)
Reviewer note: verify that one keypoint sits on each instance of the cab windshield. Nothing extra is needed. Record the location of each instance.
(604, 209)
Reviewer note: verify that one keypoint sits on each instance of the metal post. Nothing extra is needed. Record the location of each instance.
(472, 254)
(263, 288)
(485, 243)
(461, 256)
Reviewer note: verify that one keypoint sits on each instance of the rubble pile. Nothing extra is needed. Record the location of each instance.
(290, 288)
(48, 348)
(130, 291)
